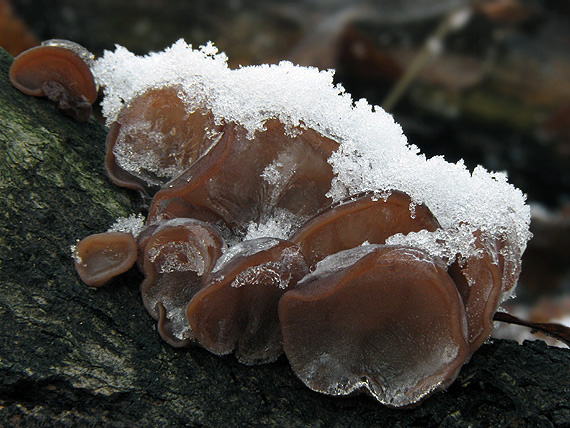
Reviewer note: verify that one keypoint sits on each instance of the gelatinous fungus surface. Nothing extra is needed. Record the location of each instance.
(155, 139)
(57, 71)
(100, 257)
(287, 217)
(243, 180)
(479, 280)
(237, 308)
(176, 257)
(386, 320)
(361, 219)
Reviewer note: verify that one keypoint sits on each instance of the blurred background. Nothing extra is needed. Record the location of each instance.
(487, 81)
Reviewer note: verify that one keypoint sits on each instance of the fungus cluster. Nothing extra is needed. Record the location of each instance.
(287, 218)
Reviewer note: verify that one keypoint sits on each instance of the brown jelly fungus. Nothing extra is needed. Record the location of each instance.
(237, 308)
(284, 217)
(59, 72)
(385, 320)
(101, 257)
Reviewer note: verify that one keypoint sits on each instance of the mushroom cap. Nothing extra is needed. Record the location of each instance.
(237, 307)
(386, 320)
(245, 178)
(100, 257)
(364, 218)
(187, 195)
(33, 68)
(176, 257)
(156, 138)
(479, 280)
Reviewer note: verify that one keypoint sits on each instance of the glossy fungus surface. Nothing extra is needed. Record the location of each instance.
(381, 319)
(479, 280)
(156, 138)
(59, 73)
(176, 257)
(360, 219)
(101, 257)
(246, 179)
(237, 307)
(285, 216)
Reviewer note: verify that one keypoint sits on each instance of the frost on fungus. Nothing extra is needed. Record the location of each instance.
(308, 222)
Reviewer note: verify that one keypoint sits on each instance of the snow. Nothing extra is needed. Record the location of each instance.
(374, 155)
(282, 224)
(133, 224)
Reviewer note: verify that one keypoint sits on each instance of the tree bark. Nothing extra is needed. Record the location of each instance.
(74, 356)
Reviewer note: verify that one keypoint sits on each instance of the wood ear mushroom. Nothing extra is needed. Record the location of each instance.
(285, 217)
(58, 71)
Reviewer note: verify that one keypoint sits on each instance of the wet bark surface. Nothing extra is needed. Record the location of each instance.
(75, 356)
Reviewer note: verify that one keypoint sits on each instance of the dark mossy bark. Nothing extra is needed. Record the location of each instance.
(75, 356)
